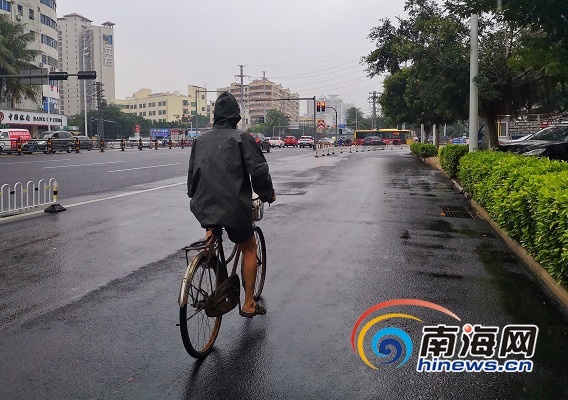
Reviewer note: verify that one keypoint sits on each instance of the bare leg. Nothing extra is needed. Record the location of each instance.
(248, 248)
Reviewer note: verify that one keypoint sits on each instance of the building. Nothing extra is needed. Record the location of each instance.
(40, 17)
(333, 103)
(166, 107)
(85, 47)
(261, 96)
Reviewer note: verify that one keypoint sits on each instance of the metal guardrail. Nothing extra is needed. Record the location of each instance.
(328, 149)
(31, 196)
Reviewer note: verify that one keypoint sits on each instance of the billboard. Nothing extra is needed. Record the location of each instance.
(159, 133)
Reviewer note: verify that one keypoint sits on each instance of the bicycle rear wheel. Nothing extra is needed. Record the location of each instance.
(260, 262)
(198, 331)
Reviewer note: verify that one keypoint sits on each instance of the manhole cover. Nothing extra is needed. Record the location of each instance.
(456, 212)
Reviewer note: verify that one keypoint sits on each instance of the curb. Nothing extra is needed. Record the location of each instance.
(556, 291)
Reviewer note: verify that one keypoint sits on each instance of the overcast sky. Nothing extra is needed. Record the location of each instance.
(312, 47)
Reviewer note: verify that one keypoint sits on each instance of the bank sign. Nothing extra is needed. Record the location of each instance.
(27, 118)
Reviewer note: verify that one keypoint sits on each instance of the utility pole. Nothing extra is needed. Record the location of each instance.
(243, 114)
(100, 100)
(473, 92)
(374, 118)
(264, 94)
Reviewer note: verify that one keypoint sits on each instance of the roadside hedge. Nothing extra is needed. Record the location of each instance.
(528, 198)
(424, 150)
(450, 156)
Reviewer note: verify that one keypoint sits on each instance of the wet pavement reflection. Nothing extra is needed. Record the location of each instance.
(347, 232)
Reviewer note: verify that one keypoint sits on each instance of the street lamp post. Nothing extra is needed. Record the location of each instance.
(85, 93)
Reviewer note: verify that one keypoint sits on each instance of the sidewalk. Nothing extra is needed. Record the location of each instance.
(556, 291)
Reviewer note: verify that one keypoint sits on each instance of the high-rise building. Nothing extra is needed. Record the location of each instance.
(39, 17)
(261, 96)
(85, 47)
(329, 114)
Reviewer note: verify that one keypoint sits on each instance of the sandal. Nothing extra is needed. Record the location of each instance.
(258, 310)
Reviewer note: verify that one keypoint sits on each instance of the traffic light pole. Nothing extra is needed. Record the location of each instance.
(335, 118)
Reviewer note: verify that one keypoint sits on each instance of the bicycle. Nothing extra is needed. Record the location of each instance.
(208, 292)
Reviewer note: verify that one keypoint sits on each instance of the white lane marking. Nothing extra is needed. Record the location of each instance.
(151, 166)
(95, 200)
(83, 165)
(31, 162)
(125, 194)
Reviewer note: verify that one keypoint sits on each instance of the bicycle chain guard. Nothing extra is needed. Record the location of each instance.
(224, 298)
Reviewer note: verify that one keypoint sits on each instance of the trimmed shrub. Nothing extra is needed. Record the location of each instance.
(528, 198)
(424, 150)
(450, 156)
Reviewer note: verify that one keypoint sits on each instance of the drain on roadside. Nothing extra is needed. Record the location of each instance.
(456, 212)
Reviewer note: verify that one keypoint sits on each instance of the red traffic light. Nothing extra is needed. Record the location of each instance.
(323, 106)
(318, 106)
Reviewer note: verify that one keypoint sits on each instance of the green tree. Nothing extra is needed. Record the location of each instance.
(427, 61)
(427, 57)
(276, 118)
(15, 56)
(354, 119)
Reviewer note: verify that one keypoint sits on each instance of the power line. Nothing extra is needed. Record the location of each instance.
(313, 58)
(334, 87)
(316, 73)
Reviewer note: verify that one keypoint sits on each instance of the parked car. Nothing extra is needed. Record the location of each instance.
(551, 142)
(276, 141)
(326, 140)
(85, 143)
(306, 141)
(9, 140)
(262, 141)
(519, 138)
(290, 141)
(60, 141)
(373, 141)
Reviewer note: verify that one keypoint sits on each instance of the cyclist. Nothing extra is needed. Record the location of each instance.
(223, 164)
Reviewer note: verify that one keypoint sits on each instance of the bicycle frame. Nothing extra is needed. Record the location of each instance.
(213, 245)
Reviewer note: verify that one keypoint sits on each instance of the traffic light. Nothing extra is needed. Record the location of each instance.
(87, 75)
(318, 106)
(323, 106)
(58, 76)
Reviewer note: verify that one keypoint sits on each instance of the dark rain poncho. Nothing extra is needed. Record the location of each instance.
(221, 161)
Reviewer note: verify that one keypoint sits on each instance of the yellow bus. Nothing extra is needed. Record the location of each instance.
(388, 135)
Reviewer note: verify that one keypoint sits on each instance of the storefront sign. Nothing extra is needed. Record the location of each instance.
(15, 117)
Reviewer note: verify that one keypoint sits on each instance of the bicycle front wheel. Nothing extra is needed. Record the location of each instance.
(260, 262)
(198, 331)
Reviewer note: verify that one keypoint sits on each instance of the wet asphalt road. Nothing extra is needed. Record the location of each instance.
(88, 297)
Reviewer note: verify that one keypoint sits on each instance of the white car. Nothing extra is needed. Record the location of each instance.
(306, 141)
(276, 141)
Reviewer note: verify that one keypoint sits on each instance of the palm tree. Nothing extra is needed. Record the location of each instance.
(15, 56)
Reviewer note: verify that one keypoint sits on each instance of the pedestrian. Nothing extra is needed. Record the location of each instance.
(225, 166)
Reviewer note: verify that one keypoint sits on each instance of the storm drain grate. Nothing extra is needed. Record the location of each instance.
(456, 212)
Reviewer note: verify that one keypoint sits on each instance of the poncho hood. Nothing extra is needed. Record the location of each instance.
(227, 113)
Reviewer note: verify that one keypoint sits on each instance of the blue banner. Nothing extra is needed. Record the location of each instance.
(160, 133)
